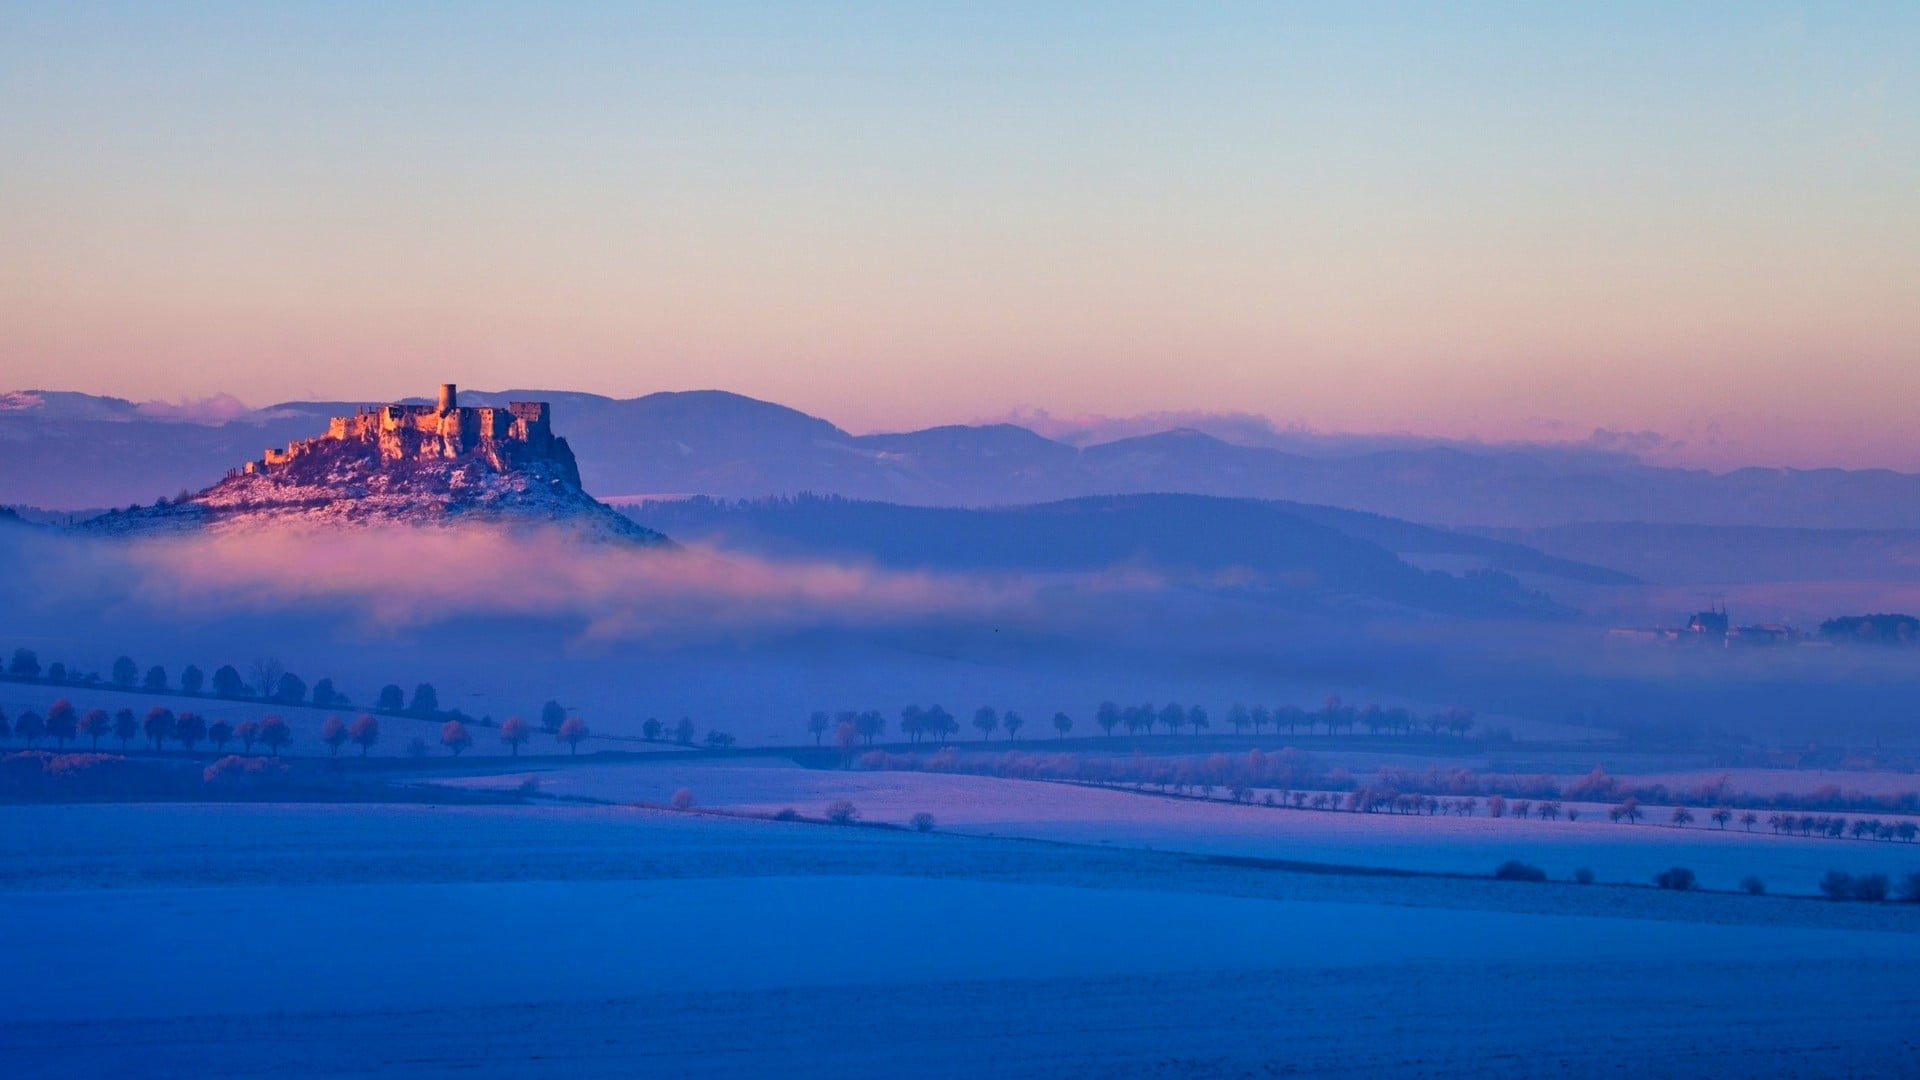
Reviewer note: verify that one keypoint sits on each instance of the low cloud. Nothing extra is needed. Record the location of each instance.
(414, 578)
(215, 410)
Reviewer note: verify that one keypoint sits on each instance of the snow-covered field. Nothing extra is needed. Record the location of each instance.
(1078, 814)
(238, 940)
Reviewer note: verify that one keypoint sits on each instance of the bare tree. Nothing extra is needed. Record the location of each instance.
(842, 812)
(189, 728)
(63, 721)
(266, 672)
(1013, 722)
(986, 720)
(817, 725)
(513, 732)
(571, 732)
(364, 732)
(274, 733)
(158, 726)
(333, 732)
(923, 822)
(94, 725)
(125, 727)
(1682, 816)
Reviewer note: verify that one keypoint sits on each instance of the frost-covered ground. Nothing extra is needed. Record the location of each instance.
(576, 941)
(1089, 815)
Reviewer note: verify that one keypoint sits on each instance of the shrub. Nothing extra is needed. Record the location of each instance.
(1515, 870)
(789, 814)
(1837, 885)
(1753, 886)
(682, 799)
(530, 786)
(1584, 875)
(1677, 878)
(1872, 888)
(1909, 890)
(842, 812)
(922, 822)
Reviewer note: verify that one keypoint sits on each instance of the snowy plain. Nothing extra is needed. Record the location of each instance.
(1074, 813)
(192, 940)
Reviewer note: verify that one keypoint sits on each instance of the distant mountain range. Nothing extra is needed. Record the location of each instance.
(64, 450)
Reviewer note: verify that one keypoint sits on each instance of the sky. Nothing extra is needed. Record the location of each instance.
(1478, 220)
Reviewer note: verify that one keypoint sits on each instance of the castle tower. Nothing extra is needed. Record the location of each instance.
(448, 397)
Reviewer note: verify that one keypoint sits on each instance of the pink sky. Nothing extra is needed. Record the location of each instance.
(1701, 222)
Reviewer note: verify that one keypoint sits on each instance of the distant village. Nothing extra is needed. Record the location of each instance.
(1713, 628)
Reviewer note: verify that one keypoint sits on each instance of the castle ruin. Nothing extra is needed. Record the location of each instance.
(423, 432)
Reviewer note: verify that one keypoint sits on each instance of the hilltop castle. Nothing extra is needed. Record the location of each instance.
(424, 432)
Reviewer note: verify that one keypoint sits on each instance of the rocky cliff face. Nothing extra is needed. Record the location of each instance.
(356, 482)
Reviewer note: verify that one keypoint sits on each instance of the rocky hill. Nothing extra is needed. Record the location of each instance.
(414, 465)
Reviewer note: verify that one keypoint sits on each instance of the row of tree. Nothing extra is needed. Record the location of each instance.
(1871, 888)
(268, 681)
(1292, 778)
(63, 723)
(935, 723)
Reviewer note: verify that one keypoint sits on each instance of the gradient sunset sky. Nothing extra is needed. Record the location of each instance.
(1482, 220)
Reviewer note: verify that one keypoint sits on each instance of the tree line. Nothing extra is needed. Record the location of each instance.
(1294, 779)
(63, 723)
(934, 723)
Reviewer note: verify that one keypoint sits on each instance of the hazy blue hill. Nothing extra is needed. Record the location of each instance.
(1195, 540)
(73, 450)
(1411, 538)
(1728, 554)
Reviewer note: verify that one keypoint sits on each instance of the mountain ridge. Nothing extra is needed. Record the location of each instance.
(713, 442)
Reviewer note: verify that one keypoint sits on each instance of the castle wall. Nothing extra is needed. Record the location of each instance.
(445, 430)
